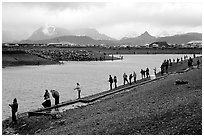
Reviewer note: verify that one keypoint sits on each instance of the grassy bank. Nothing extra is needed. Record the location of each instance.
(19, 58)
(159, 107)
(47, 56)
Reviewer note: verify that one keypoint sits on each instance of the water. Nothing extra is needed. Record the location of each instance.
(27, 83)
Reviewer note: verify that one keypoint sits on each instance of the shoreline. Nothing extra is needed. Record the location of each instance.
(48, 56)
(32, 129)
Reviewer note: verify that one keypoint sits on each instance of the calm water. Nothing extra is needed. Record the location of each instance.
(27, 83)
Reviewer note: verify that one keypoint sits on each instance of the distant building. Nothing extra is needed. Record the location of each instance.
(159, 44)
(194, 44)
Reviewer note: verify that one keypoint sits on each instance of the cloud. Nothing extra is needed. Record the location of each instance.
(110, 18)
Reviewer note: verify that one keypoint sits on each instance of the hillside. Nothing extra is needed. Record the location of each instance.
(182, 38)
(151, 109)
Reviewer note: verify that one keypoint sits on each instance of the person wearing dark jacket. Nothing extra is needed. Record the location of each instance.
(115, 81)
(47, 94)
(55, 95)
(47, 102)
(110, 81)
(14, 109)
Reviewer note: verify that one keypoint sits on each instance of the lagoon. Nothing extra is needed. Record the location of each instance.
(27, 83)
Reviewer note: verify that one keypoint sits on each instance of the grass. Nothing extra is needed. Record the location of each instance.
(159, 107)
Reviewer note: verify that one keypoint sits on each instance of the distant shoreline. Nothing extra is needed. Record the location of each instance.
(18, 57)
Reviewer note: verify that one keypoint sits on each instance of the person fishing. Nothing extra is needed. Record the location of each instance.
(14, 109)
(55, 95)
(79, 90)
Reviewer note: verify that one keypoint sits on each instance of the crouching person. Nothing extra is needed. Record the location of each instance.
(47, 102)
(14, 109)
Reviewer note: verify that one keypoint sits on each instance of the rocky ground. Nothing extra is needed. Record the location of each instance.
(159, 107)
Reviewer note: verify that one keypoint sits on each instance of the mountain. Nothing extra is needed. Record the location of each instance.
(93, 33)
(181, 38)
(143, 39)
(49, 32)
(82, 40)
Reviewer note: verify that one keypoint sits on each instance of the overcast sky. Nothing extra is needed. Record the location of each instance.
(113, 19)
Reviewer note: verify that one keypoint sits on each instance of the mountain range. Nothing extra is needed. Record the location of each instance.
(84, 36)
(53, 32)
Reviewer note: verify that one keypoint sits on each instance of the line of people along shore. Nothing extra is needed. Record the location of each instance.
(144, 73)
(128, 80)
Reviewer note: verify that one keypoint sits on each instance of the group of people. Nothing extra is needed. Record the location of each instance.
(112, 80)
(47, 102)
(165, 65)
(56, 95)
(145, 72)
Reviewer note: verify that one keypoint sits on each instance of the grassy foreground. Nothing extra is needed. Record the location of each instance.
(159, 107)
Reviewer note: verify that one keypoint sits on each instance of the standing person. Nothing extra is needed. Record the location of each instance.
(155, 71)
(147, 72)
(194, 55)
(55, 95)
(125, 78)
(141, 73)
(115, 81)
(191, 61)
(134, 76)
(47, 102)
(79, 90)
(14, 109)
(130, 78)
(198, 63)
(110, 81)
(162, 69)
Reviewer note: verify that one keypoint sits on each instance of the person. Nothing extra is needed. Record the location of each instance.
(191, 61)
(141, 73)
(110, 81)
(115, 81)
(55, 95)
(130, 78)
(47, 102)
(14, 109)
(125, 78)
(162, 69)
(198, 63)
(47, 94)
(134, 76)
(155, 71)
(147, 72)
(79, 90)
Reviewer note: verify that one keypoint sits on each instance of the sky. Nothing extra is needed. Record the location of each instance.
(115, 19)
